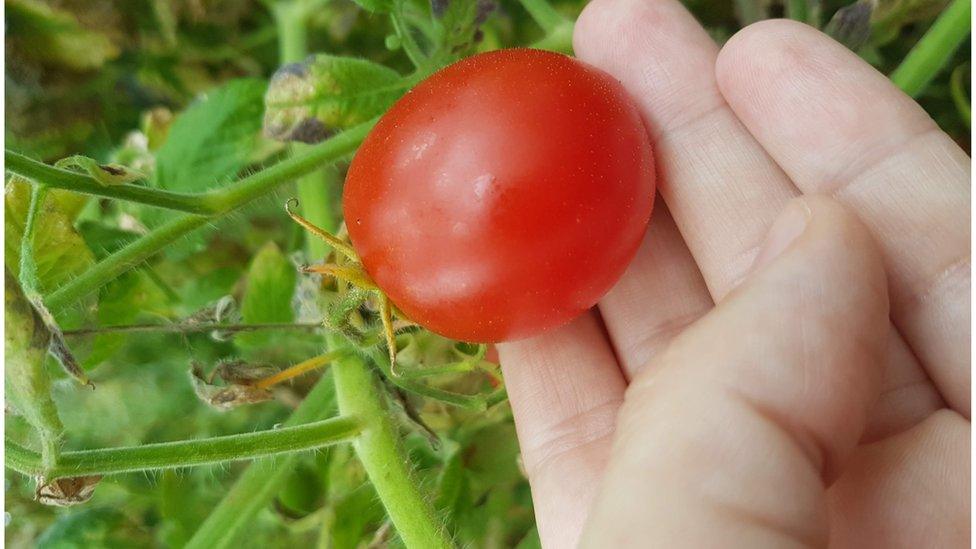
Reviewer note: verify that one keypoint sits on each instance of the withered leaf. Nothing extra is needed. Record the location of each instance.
(66, 491)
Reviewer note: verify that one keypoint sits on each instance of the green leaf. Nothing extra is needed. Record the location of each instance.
(55, 36)
(210, 142)
(270, 287)
(59, 252)
(89, 527)
(457, 23)
(309, 101)
(205, 147)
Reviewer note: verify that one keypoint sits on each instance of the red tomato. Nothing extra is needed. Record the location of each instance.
(502, 196)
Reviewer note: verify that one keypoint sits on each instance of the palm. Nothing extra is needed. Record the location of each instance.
(780, 112)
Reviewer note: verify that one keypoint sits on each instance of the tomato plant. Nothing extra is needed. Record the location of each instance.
(151, 146)
(502, 196)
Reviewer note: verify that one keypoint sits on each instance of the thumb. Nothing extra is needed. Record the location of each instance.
(729, 438)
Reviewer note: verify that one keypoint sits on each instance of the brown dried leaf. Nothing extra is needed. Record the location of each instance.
(67, 491)
(227, 397)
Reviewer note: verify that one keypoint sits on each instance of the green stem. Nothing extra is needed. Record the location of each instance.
(471, 402)
(292, 25)
(193, 328)
(228, 199)
(410, 46)
(127, 258)
(58, 178)
(28, 269)
(957, 88)
(314, 191)
(796, 10)
(49, 427)
(262, 480)
(560, 39)
(187, 453)
(27, 383)
(934, 50)
(544, 14)
(381, 454)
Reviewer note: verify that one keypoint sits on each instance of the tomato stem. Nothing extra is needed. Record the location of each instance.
(958, 91)
(60, 178)
(382, 454)
(934, 50)
(260, 482)
(187, 453)
(228, 199)
(187, 328)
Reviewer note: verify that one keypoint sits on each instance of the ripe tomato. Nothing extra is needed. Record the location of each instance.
(502, 196)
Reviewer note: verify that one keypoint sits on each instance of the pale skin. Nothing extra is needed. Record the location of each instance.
(786, 362)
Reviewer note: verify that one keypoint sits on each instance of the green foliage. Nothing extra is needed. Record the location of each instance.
(59, 251)
(181, 92)
(205, 147)
(55, 36)
(311, 100)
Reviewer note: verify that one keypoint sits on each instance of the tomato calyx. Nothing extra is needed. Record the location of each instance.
(359, 299)
(349, 269)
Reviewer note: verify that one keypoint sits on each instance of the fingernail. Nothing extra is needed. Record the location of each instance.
(788, 226)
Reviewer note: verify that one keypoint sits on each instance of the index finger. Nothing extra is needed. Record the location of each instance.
(838, 126)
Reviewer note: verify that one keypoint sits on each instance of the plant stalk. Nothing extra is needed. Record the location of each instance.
(226, 200)
(262, 480)
(58, 178)
(382, 455)
(931, 54)
(186, 453)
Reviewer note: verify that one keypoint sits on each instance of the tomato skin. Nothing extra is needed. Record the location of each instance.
(502, 196)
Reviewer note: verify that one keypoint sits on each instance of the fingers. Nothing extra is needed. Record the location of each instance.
(838, 126)
(659, 295)
(756, 406)
(722, 189)
(565, 388)
(911, 490)
(720, 186)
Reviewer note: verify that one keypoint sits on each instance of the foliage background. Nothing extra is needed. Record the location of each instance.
(114, 80)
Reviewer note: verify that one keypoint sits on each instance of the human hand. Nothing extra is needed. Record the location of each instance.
(765, 401)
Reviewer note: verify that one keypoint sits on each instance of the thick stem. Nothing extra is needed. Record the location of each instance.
(58, 178)
(934, 50)
(382, 456)
(314, 191)
(226, 200)
(291, 20)
(186, 453)
(260, 482)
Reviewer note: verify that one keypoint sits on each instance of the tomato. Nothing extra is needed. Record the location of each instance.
(502, 196)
